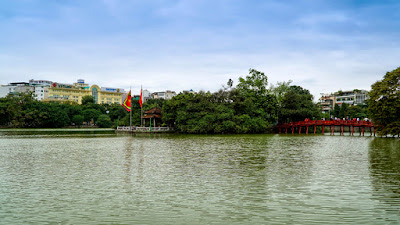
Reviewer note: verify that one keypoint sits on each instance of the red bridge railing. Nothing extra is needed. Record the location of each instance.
(351, 124)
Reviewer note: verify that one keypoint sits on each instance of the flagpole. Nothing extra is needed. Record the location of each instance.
(130, 112)
(141, 108)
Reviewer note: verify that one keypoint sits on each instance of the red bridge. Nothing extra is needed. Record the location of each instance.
(351, 124)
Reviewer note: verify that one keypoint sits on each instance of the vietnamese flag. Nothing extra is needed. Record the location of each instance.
(127, 102)
(140, 98)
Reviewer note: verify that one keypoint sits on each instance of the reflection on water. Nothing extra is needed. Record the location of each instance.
(384, 157)
(94, 178)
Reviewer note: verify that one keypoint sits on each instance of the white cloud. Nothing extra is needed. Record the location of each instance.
(187, 45)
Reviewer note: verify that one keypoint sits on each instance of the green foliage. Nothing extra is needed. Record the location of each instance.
(343, 110)
(87, 99)
(77, 120)
(280, 90)
(384, 103)
(297, 105)
(358, 111)
(248, 108)
(336, 110)
(91, 114)
(104, 121)
(23, 111)
(351, 111)
(256, 82)
(152, 103)
(229, 83)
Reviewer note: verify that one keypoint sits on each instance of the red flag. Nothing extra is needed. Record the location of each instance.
(127, 102)
(140, 98)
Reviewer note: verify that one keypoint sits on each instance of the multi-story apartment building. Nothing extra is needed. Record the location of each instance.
(167, 95)
(39, 88)
(16, 87)
(146, 95)
(4, 90)
(327, 102)
(75, 92)
(355, 97)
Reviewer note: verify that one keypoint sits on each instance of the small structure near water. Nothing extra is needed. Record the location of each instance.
(152, 121)
(135, 129)
(154, 116)
(351, 124)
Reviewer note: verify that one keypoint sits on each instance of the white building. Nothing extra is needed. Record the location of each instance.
(40, 88)
(158, 95)
(354, 97)
(167, 95)
(13, 88)
(146, 95)
(4, 90)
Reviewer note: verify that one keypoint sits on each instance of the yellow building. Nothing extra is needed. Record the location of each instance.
(75, 92)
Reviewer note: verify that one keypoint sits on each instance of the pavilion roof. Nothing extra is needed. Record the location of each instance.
(155, 110)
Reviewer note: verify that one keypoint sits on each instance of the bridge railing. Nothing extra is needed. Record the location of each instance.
(328, 123)
(143, 129)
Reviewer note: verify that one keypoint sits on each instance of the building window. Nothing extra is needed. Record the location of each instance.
(94, 94)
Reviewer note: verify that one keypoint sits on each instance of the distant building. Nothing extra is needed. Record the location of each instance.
(158, 95)
(189, 91)
(14, 88)
(355, 97)
(167, 95)
(4, 90)
(327, 102)
(75, 92)
(146, 95)
(39, 88)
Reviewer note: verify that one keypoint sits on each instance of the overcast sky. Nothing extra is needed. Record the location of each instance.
(177, 45)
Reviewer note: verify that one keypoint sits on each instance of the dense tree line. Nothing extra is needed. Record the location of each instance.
(250, 107)
(23, 111)
(350, 111)
(384, 103)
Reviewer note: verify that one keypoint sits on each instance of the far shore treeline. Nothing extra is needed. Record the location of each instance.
(251, 106)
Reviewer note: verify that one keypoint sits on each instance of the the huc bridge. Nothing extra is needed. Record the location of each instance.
(332, 124)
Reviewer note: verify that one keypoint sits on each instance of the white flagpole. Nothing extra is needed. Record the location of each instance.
(141, 108)
(130, 112)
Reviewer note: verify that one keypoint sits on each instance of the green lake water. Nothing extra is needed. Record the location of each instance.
(99, 177)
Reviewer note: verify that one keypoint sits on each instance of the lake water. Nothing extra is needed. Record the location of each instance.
(88, 177)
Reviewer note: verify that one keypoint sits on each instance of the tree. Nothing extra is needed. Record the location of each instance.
(248, 108)
(297, 105)
(358, 111)
(230, 83)
(87, 99)
(343, 110)
(280, 89)
(77, 120)
(90, 114)
(384, 103)
(256, 82)
(336, 110)
(104, 121)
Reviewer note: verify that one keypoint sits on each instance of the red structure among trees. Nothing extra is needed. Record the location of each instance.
(351, 124)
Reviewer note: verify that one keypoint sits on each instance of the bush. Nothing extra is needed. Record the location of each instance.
(77, 120)
(104, 121)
